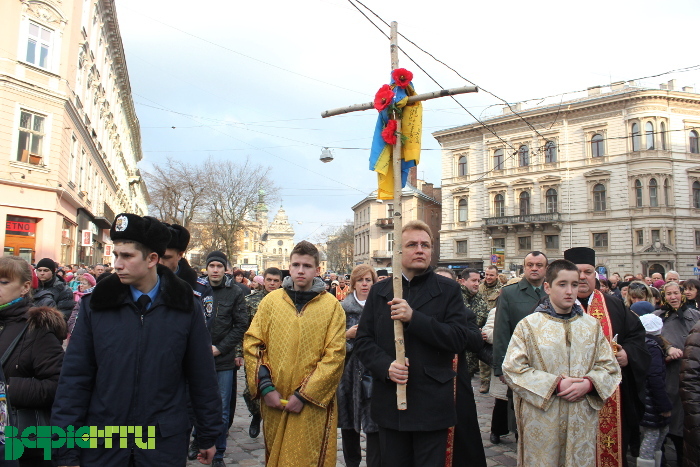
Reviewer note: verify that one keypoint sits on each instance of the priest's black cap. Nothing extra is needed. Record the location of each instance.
(382, 272)
(179, 237)
(580, 255)
(146, 230)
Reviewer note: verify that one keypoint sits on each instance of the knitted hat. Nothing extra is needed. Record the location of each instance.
(659, 283)
(259, 279)
(90, 280)
(652, 324)
(217, 256)
(179, 237)
(642, 308)
(146, 230)
(47, 263)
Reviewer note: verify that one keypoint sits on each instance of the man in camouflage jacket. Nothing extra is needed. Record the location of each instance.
(490, 290)
(474, 301)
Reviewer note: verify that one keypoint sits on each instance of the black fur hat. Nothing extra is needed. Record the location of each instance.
(146, 230)
(179, 237)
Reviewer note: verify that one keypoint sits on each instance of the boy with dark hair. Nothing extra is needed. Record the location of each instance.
(561, 370)
(294, 354)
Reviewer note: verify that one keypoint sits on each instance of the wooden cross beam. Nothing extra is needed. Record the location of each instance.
(397, 270)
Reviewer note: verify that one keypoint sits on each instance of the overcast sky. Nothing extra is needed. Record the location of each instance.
(250, 79)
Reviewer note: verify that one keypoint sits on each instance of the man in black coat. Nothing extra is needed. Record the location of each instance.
(140, 337)
(51, 286)
(436, 327)
(174, 259)
(633, 355)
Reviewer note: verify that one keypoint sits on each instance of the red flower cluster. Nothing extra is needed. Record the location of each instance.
(402, 77)
(383, 98)
(389, 132)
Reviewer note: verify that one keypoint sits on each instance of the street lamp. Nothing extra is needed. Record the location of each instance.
(326, 155)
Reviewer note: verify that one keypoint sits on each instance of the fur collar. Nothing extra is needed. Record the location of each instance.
(49, 318)
(110, 293)
(186, 273)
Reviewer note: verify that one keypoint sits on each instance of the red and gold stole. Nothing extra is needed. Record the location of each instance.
(609, 446)
(450, 452)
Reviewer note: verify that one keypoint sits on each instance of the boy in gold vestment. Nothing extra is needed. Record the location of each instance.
(294, 353)
(561, 370)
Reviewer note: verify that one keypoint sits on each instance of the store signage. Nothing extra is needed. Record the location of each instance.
(86, 238)
(108, 250)
(20, 228)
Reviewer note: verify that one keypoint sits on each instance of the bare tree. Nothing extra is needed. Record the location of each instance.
(177, 191)
(339, 248)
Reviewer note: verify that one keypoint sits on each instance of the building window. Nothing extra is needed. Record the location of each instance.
(524, 156)
(650, 135)
(73, 158)
(597, 149)
(524, 203)
(697, 239)
(640, 237)
(551, 242)
(499, 243)
(693, 140)
(551, 199)
(636, 138)
(390, 241)
(499, 206)
(669, 236)
(498, 159)
(39, 45)
(696, 195)
(462, 210)
(653, 193)
(599, 203)
(462, 166)
(662, 135)
(550, 152)
(667, 192)
(600, 240)
(655, 236)
(462, 247)
(390, 210)
(638, 195)
(525, 243)
(31, 137)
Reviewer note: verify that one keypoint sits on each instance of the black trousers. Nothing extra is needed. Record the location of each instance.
(499, 418)
(412, 448)
(352, 451)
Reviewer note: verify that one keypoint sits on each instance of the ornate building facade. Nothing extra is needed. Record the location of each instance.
(278, 241)
(70, 138)
(617, 170)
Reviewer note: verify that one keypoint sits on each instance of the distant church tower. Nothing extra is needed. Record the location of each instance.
(279, 241)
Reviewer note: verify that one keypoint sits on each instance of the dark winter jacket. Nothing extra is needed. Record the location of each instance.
(657, 401)
(440, 327)
(201, 286)
(690, 397)
(32, 369)
(229, 322)
(61, 293)
(125, 368)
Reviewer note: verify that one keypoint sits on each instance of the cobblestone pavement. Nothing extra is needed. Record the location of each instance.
(242, 450)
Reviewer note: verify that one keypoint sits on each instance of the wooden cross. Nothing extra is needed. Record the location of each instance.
(398, 223)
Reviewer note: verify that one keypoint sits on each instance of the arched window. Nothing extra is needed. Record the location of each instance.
(524, 156)
(462, 166)
(649, 130)
(524, 203)
(662, 135)
(274, 251)
(636, 137)
(599, 197)
(597, 149)
(696, 195)
(667, 192)
(694, 142)
(462, 210)
(499, 206)
(498, 159)
(653, 193)
(550, 152)
(551, 198)
(639, 197)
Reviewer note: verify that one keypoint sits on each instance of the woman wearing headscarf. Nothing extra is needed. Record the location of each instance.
(354, 391)
(678, 319)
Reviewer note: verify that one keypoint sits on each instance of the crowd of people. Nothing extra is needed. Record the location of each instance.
(585, 370)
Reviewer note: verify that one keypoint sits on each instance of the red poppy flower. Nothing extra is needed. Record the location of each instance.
(389, 132)
(402, 77)
(383, 98)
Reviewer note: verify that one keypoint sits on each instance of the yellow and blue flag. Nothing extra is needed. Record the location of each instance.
(411, 129)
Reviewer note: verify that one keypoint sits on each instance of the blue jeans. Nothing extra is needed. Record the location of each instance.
(226, 380)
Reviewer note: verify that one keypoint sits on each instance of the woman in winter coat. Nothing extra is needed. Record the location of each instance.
(657, 405)
(692, 292)
(87, 282)
(679, 319)
(33, 367)
(355, 384)
(690, 397)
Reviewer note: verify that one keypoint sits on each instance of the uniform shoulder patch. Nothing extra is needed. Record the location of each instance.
(202, 281)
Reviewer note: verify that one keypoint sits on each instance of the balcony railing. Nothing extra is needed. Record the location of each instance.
(528, 219)
(382, 254)
(386, 222)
